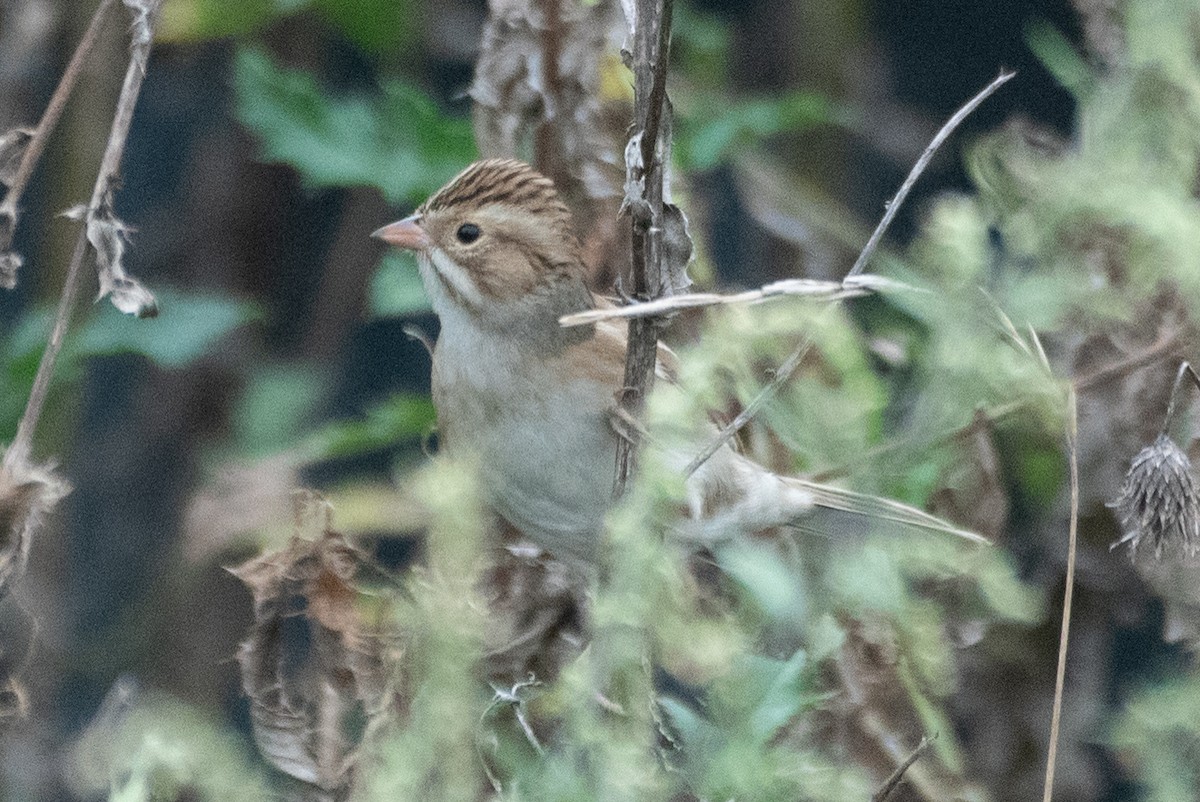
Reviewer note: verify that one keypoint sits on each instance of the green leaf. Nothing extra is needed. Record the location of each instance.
(1059, 57)
(398, 141)
(192, 20)
(703, 144)
(275, 406)
(700, 46)
(783, 698)
(377, 26)
(772, 585)
(699, 736)
(160, 748)
(186, 327)
(1158, 736)
(396, 287)
(396, 420)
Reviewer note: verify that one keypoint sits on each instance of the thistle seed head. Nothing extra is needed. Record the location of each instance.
(1158, 501)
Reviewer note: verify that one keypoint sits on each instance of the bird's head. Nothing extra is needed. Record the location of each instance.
(494, 240)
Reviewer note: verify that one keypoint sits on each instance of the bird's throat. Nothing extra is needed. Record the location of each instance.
(530, 320)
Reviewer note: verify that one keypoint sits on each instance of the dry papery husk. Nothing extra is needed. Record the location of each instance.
(316, 671)
(27, 495)
(549, 87)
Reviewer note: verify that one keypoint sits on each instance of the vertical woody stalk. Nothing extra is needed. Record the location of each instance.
(621, 681)
(651, 23)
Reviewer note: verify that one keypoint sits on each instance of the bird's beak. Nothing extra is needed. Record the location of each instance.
(405, 233)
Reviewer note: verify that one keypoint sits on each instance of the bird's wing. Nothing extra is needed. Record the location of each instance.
(731, 492)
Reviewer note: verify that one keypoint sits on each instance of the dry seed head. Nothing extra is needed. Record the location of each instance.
(1158, 501)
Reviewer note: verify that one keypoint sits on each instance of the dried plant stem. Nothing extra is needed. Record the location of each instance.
(659, 60)
(1163, 345)
(795, 287)
(114, 149)
(545, 151)
(893, 781)
(782, 375)
(652, 42)
(1185, 369)
(1060, 676)
(941, 136)
(18, 450)
(22, 442)
(50, 118)
(785, 371)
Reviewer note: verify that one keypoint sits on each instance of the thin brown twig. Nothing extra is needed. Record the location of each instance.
(785, 371)
(41, 134)
(658, 86)
(21, 445)
(545, 153)
(782, 375)
(873, 725)
(1185, 369)
(18, 450)
(1163, 345)
(893, 781)
(1073, 529)
(114, 149)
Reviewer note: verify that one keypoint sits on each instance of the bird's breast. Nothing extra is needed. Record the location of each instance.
(541, 430)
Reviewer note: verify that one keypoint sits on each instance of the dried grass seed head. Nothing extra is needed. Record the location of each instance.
(1158, 501)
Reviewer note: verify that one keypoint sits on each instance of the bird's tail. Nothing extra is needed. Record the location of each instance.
(878, 507)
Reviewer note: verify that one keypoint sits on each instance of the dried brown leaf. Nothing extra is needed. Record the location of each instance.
(10, 263)
(677, 250)
(537, 606)
(109, 235)
(17, 629)
(12, 148)
(549, 88)
(27, 495)
(311, 665)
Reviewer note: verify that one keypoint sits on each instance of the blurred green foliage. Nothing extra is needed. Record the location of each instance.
(276, 405)
(153, 747)
(396, 420)
(704, 141)
(376, 26)
(396, 288)
(427, 756)
(711, 126)
(1158, 738)
(188, 325)
(397, 141)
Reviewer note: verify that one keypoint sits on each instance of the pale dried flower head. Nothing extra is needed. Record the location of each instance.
(1158, 501)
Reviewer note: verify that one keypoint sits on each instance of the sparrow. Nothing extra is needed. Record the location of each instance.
(534, 401)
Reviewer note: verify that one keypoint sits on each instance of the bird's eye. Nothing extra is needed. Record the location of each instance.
(467, 233)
